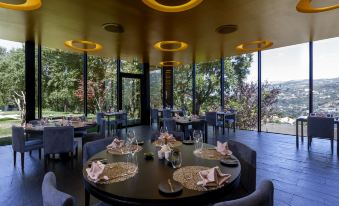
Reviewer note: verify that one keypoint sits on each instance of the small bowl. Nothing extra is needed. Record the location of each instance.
(149, 155)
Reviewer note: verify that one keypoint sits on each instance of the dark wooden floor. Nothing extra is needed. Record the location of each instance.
(300, 177)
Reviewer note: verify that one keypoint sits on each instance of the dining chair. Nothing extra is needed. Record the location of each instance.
(212, 119)
(19, 144)
(320, 127)
(99, 116)
(248, 161)
(96, 135)
(166, 113)
(171, 127)
(92, 148)
(122, 120)
(57, 140)
(154, 116)
(51, 196)
(262, 196)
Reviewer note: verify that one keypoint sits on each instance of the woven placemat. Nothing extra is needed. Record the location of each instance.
(209, 154)
(189, 176)
(123, 150)
(158, 143)
(116, 172)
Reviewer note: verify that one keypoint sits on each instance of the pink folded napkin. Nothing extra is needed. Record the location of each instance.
(212, 177)
(168, 137)
(97, 168)
(115, 144)
(222, 148)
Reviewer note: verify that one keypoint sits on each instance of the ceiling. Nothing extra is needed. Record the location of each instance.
(275, 20)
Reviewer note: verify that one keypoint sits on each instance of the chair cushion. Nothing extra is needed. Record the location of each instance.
(75, 145)
(33, 145)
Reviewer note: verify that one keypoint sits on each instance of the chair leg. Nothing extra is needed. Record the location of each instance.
(40, 154)
(308, 143)
(22, 161)
(234, 126)
(46, 157)
(14, 158)
(332, 146)
(76, 152)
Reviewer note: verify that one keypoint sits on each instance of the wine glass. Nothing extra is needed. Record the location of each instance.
(133, 160)
(198, 140)
(176, 159)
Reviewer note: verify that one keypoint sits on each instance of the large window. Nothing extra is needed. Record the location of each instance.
(183, 87)
(12, 87)
(241, 83)
(208, 86)
(156, 88)
(132, 66)
(284, 87)
(61, 83)
(326, 76)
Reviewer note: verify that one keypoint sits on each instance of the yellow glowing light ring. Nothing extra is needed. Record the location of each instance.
(183, 7)
(70, 45)
(170, 63)
(264, 45)
(28, 5)
(182, 46)
(305, 6)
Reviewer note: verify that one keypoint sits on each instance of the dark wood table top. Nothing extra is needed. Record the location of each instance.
(76, 124)
(113, 113)
(142, 189)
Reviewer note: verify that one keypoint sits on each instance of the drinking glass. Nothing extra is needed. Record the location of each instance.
(132, 159)
(198, 140)
(176, 159)
(162, 130)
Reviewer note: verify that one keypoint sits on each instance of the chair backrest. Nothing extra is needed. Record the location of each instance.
(321, 127)
(91, 148)
(211, 118)
(58, 140)
(263, 196)
(18, 139)
(102, 130)
(170, 124)
(51, 196)
(99, 116)
(248, 161)
(154, 114)
(166, 113)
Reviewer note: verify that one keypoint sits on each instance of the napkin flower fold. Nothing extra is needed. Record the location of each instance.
(167, 136)
(213, 177)
(115, 144)
(223, 149)
(96, 169)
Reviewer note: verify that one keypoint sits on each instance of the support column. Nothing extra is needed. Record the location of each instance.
(222, 84)
(194, 109)
(84, 75)
(310, 103)
(145, 94)
(167, 85)
(39, 82)
(259, 91)
(30, 80)
(119, 85)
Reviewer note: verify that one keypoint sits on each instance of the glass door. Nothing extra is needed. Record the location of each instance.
(131, 102)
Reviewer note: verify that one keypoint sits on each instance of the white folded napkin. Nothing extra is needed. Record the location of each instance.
(222, 148)
(97, 168)
(167, 136)
(116, 144)
(212, 177)
(165, 148)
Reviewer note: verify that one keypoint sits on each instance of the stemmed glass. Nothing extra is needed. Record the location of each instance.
(197, 136)
(132, 147)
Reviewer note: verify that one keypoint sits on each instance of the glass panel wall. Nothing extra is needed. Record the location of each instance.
(156, 88)
(131, 102)
(241, 83)
(62, 83)
(183, 87)
(132, 66)
(12, 87)
(101, 85)
(208, 86)
(285, 87)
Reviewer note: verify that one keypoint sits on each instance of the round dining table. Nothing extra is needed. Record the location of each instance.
(77, 125)
(143, 188)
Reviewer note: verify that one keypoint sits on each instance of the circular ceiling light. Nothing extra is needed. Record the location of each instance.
(226, 29)
(170, 63)
(27, 6)
(83, 46)
(113, 27)
(305, 6)
(166, 8)
(170, 46)
(254, 46)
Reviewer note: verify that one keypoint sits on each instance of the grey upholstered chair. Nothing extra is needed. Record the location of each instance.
(99, 116)
(171, 127)
(248, 161)
(51, 196)
(166, 113)
(96, 135)
(212, 119)
(154, 116)
(263, 196)
(58, 140)
(91, 148)
(320, 127)
(19, 144)
(122, 120)
(231, 120)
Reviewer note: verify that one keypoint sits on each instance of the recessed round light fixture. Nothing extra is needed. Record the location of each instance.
(254, 46)
(226, 29)
(27, 6)
(154, 4)
(83, 45)
(305, 6)
(113, 27)
(170, 46)
(170, 63)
